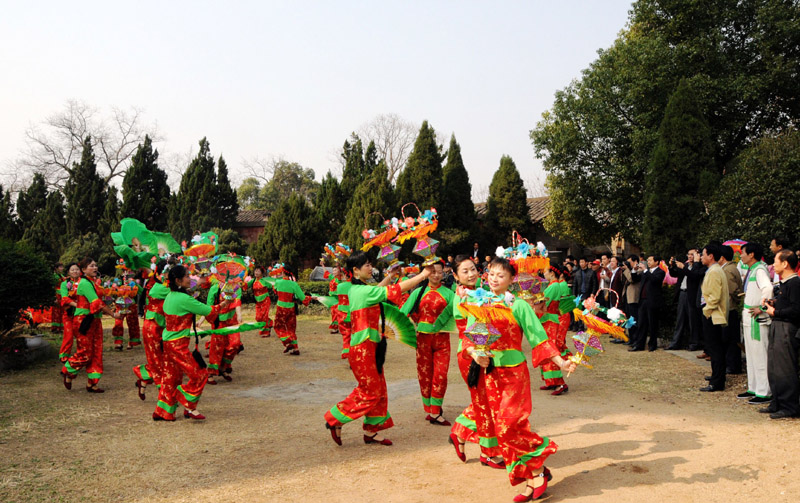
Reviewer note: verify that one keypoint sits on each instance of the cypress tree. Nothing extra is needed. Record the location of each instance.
(46, 233)
(507, 207)
(680, 177)
(354, 171)
(145, 193)
(110, 221)
(227, 207)
(421, 181)
(374, 194)
(455, 209)
(8, 222)
(31, 201)
(84, 193)
(196, 198)
(330, 207)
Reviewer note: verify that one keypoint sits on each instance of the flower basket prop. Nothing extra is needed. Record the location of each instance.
(338, 252)
(420, 228)
(120, 293)
(529, 261)
(485, 309)
(617, 321)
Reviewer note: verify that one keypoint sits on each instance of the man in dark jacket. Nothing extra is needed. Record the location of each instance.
(584, 282)
(650, 303)
(689, 275)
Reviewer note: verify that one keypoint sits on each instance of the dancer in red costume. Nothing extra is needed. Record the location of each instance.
(88, 329)
(285, 314)
(508, 386)
(223, 348)
(343, 309)
(332, 286)
(261, 286)
(427, 306)
(180, 310)
(132, 319)
(67, 294)
(476, 423)
(367, 352)
(152, 332)
(556, 326)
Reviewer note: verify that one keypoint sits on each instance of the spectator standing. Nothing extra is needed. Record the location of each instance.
(731, 334)
(604, 280)
(784, 343)
(631, 292)
(757, 287)
(689, 275)
(476, 253)
(715, 299)
(650, 302)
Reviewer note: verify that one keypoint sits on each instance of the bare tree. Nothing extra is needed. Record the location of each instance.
(261, 168)
(535, 186)
(480, 193)
(55, 144)
(394, 138)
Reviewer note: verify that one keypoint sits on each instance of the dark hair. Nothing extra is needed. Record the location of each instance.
(727, 252)
(634, 257)
(789, 257)
(782, 242)
(605, 255)
(571, 257)
(713, 250)
(756, 249)
(260, 268)
(656, 258)
(68, 266)
(356, 261)
(176, 273)
(504, 264)
(84, 262)
(557, 270)
(160, 265)
(584, 259)
(57, 265)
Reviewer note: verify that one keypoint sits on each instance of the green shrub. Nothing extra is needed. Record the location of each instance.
(319, 288)
(27, 281)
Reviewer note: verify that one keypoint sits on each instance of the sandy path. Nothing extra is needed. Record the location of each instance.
(633, 429)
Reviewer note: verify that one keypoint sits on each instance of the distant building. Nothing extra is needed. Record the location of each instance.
(250, 223)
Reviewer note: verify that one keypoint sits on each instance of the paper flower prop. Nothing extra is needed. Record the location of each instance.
(587, 345)
(614, 326)
(229, 268)
(529, 263)
(203, 245)
(277, 270)
(419, 229)
(119, 292)
(337, 252)
(137, 245)
(388, 230)
(484, 309)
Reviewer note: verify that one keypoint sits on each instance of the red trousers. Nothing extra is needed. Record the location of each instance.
(433, 361)
(56, 318)
(334, 326)
(223, 348)
(369, 399)
(262, 314)
(509, 392)
(66, 339)
(178, 361)
(551, 373)
(89, 354)
(132, 318)
(344, 329)
(151, 372)
(286, 325)
(476, 423)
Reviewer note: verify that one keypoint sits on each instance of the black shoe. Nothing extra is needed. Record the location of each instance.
(768, 410)
(616, 341)
(759, 399)
(651, 349)
(694, 348)
(746, 394)
(710, 388)
(781, 414)
(707, 378)
(635, 349)
(732, 373)
(673, 347)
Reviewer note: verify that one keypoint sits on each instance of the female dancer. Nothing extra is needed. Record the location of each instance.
(88, 328)
(261, 286)
(67, 291)
(343, 311)
(555, 325)
(427, 307)
(152, 332)
(334, 326)
(180, 310)
(131, 317)
(475, 424)
(223, 347)
(367, 352)
(285, 315)
(508, 386)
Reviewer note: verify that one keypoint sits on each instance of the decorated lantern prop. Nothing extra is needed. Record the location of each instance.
(119, 292)
(420, 228)
(587, 346)
(485, 308)
(617, 320)
(383, 239)
(337, 252)
(529, 262)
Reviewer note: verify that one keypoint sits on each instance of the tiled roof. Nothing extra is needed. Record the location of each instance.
(537, 209)
(251, 218)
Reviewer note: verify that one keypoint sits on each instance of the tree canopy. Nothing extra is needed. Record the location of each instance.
(507, 206)
(421, 181)
(145, 193)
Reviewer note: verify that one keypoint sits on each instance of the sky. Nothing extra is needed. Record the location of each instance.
(293, 79)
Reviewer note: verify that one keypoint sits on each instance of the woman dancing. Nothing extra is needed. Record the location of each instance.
(367, 352)
(261, 286)
(67, 293)
(152, 332)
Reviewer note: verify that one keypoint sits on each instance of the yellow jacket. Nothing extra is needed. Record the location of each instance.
(716, 296)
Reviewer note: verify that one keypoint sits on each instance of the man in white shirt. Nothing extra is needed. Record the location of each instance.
(757, 288)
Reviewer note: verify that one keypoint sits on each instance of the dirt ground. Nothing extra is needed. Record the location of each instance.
(633, 429)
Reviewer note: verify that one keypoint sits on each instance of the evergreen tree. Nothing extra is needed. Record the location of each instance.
(290, 234)
(421, 181)
(680, 177)
(85, 194)
(46, 233)
(110, 221)
(8, 222)
(456, 211)
(31, 201)
(354, 171)
(145, 193)
(227, 207)
(507, 207)
(192, 208)
(330, 207)
(373, 195)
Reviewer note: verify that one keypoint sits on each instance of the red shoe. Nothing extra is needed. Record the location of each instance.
(560, 389)
(547, 388)
(295, 352)
(94, 389)
(436, 420)
(287, 349)
(459, 446)
(156, 417)
(211, 381)
(537, 491)
(193, 415)
(371, 440)
(67, 380)
(428, 417)
(227, 376)
(118, 347)
(547, 473)
(334, 434)
(487, 461)
(140, 389)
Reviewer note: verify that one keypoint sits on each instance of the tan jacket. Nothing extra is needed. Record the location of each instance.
(734, 285)
(631, 291)
(716, 296)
